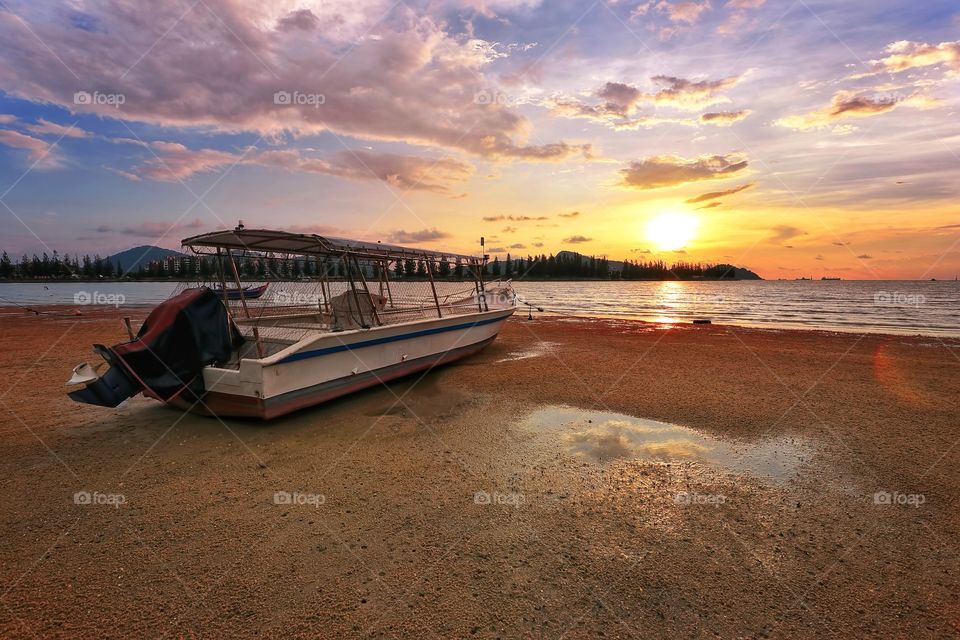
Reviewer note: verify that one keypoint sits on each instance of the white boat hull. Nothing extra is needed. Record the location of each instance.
(329, 365)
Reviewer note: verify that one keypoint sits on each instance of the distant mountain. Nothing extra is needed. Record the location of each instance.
(614, 265)
(716, 272)
(730, 272)
(131, 259)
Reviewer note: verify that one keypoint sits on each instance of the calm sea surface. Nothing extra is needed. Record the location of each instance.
(903, 307)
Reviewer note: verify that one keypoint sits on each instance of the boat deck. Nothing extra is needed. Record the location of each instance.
(277, 332)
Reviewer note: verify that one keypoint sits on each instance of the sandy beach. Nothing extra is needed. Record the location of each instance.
(809, 489)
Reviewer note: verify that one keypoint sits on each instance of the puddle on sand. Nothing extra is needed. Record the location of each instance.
(603, 436)
(534, 351)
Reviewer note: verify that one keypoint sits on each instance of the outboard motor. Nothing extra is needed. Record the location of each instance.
(178, 339)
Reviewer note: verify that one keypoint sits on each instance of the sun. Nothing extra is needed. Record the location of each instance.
(671, 231)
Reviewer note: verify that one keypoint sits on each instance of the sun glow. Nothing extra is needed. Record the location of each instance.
(671, 231)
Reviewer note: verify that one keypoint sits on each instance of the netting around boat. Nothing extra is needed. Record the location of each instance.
(284, 311)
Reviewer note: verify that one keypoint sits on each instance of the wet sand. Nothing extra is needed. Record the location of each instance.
(514, 494)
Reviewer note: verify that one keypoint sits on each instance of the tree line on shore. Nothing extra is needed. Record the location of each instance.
(65, 266)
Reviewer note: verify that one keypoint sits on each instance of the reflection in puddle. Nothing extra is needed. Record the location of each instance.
(603, 436)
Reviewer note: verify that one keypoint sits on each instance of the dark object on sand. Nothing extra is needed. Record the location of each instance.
(702, 321)
(177, 340)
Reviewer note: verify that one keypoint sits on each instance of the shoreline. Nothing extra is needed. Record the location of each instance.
(65, 310)
(407, 279)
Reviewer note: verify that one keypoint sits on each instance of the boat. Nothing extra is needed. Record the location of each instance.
(349, 324)
(250, 293)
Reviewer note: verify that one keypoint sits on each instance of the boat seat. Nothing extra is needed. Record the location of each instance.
(349, 316)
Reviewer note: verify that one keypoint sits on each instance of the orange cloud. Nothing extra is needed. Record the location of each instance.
(175, 162)
(724, 118)
(669, 171)
(424, 235)
(713, 195)
(850, 104)
(904, 54)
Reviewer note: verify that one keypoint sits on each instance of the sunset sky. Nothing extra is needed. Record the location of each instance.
(796, 138)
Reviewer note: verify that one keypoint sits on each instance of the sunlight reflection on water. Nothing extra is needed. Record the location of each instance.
(854, 305)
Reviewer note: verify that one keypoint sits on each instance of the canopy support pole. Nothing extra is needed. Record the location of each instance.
(386, 279)
(328, 295)
(433, 285)
(243, 301)
(363, 280)
(322, 272)
(221, 271)
(476, 287)
(483, 289)
(353, 288)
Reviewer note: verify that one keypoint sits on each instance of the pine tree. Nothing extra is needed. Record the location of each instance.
(6, 266)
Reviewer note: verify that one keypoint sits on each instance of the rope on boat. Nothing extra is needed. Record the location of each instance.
(531, 306)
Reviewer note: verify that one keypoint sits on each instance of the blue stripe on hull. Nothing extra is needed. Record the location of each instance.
(303, 355)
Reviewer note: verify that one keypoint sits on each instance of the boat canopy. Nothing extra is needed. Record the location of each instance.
(306, 244)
